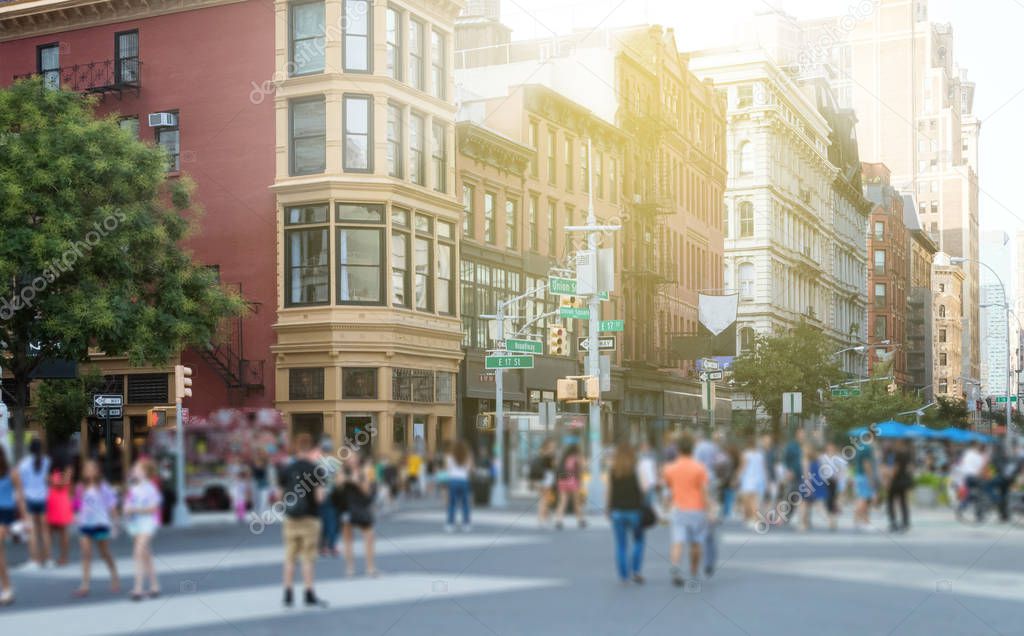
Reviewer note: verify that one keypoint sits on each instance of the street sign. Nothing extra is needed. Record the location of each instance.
(603, 295)
(710, 364)
(574, 313)
(707, 395)
(604, 343)
(561, 286)
(524, 346)
(111, 412)
(508, 362)
(845, 392)
(107, 400)
(1001, 399)
(711, 375)
(611, 325)
(792, 403)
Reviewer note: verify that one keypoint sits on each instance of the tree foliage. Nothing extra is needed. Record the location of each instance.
(948, 411)
(91, 231)
(874, 404)
(63, 404)
(800, 360)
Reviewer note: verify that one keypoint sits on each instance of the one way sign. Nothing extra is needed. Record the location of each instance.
(604, 343)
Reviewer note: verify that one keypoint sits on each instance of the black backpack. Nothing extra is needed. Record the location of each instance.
(299, 478)
(537, 468)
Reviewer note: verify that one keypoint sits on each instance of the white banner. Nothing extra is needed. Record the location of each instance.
(716, 313)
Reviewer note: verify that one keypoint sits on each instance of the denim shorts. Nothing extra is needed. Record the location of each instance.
(8, 516)
(689, 526)
(863, 486)
(96, 533)
(35, 507)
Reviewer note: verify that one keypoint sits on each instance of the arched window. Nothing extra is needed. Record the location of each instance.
(725, 220)
(942, 311)
(727, 282)
(746, 155)
(746, 220)
(746, 272)
(746, 339)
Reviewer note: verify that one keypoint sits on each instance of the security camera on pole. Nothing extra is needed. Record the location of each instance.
(182, 390)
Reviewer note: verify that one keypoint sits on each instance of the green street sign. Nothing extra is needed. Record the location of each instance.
(612, 325)
(1001, 399)
(562, 286)
(524, 346)
(603, 295)
(574, 313)
(508, 362)
(845, 392)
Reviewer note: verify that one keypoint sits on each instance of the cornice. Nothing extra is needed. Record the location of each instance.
(29, 18)
(488, 147)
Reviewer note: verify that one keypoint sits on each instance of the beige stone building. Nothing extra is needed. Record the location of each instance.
(947, 289)
(368, 335)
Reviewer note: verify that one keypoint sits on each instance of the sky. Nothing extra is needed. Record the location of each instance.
(989, 44)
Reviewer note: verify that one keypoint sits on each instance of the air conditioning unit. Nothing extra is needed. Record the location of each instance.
(163, 120)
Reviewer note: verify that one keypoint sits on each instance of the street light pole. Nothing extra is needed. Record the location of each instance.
(499, 496)
(595, 490)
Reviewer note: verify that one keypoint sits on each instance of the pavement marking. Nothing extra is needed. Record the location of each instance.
(211, 609)
(173, 563)
(928, 576)
(505, 519)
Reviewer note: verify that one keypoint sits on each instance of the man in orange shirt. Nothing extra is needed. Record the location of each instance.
(687, 482)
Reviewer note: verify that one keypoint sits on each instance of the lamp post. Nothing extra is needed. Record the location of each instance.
(959, 260)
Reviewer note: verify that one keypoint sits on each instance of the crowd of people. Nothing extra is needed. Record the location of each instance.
(46, 497)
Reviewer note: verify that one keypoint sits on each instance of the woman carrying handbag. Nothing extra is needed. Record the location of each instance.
(629, 513)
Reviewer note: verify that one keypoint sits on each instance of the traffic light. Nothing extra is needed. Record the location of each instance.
(182, 382)
(557, 345)
(570, 301)
(580, 388)
(156, 418)
(567, 389)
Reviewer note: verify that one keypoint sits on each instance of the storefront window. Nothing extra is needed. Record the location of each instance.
(306, 384)
(359, 383)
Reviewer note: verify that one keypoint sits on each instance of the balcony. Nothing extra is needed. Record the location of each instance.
(100, 78)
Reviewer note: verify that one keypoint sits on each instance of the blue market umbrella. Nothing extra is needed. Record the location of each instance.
(957, 435)
(891, 429)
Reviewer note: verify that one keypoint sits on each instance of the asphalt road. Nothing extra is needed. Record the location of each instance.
(509, 577)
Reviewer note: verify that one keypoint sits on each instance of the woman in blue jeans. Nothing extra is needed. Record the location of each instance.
(458, 465)
(625, 508)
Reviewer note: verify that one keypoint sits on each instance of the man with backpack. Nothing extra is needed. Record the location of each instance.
(302, 483)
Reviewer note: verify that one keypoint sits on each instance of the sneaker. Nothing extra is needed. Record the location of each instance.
(677, 578)
(313, 601)
(449, 528)
(7, 596)
(288, 598)
(638, 579)
(709, 571)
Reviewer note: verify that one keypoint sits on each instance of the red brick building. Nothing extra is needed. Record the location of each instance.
(194, 77)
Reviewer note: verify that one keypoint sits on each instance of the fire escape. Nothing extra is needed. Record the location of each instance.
(647, 269)
(225, 355)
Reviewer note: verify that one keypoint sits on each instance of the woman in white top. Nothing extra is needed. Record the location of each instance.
(34, 470)
(142, 510)
(753, 479)
(458, 465)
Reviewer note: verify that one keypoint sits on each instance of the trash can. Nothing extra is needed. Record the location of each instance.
(480, 482)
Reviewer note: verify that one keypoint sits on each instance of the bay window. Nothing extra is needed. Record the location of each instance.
(395, 154)
(416, 165)
(307, 256)
(306, 41)
(359, 254)
(424, 295)
(400, 258)
(357, 48)
(358, 142)
(439, 157)
(394, 44)
(445, 298)
(308, 138)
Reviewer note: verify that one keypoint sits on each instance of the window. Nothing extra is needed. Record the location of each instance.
(168, 138)
(306, 384)
(942, 311)
(395, 158)
(394, 42)
(359, 383)
(725, 221)
(943, 360)
(400, 259)
(880, 295)
(130, 125)
(48, 65)
(879, 230)
(416, 54)
(358, 51)
(308, 136)
(531, 222)
(552, 228)
(307, 258)
(746, 272)
(469, 210)
(445, 382)
(881, 330)
(412, 385)
(126, 57)
(489, 217)
(567, 155)
(511, 224)
(943, 386)
(942, 335)
(360, 252)
(306, 46)
(746, 155)
(745, 96)
(584, 167)
(439, 157)
(552, 157)
(445, 266)
(358, 143)
(942, 288)
(424, 294)
(613, 180)
(417, 170)
(747, 339)
(438, 76)
(879, 262)
(599, 175)
(746, 219)
(532, 137)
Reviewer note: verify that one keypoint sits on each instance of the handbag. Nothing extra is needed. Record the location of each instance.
(648, 517)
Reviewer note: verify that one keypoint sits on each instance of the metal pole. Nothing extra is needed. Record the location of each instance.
(1009, 410)
(499, 497)
(595, 489)
(109, 440)
(181, 517)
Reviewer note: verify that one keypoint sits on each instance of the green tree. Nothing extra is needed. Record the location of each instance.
(874, 404)
(800, 360)
(948, 411)
(61, 405)
(91, 234)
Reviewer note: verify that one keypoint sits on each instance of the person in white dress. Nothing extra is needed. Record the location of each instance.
(753, 479)
(142, 512)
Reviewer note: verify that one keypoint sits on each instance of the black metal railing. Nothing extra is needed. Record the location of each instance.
(107, 76)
